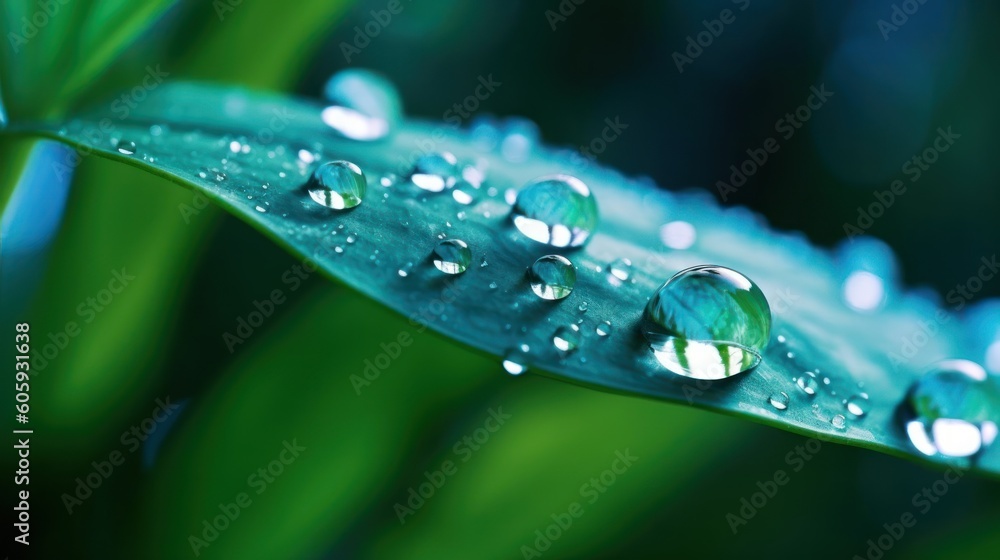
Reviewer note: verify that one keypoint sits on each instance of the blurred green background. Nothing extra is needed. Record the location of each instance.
(195, 275)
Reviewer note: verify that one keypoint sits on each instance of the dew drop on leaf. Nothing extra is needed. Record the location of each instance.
(566, 339)
(552, 277)
(126, 147)
(619, 271)
(435, 172)
(515, 362)
(452, 256)
(364, 105)
(557, 210)
(708, 322)
(779, 400)
(839, 421)
(952, 410)
(337, 184)
(857, 405)
(807, 383)
(678, 235)
(604, 329)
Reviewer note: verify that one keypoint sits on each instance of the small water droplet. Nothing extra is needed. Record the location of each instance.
(306, 157)
(337, 184)
(582, 307)
(566, 339)
(452, 256)
(483, 263)
(604, 328)
(708, 322)
(435, 172)
(351, 238)
(857, 405)
(619, 271)
(126, 147)
(260, 209)
(779, 400)
(365, 105)
(552, 277)
(781, 338)
(557, 210)
(515, 362)
(493, 285)
(839, 421)
(952, 410)
(464, 192)
(807, 382)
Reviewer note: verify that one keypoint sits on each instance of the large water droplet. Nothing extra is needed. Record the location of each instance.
(452, 256)
(338, 185)
(556, 210)
(364, 105)
(435, 172)
(708, 322)
(952, 410)
(552, 277)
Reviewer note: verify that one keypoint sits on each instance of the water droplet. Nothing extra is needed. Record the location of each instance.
(388, 180)
(515, 362)
(708, 322)
(678, 235)
(404, 270)
(864, 291)
(493, 285)
(520, 135)
(857, 405)
(260, 209)
(338, 185)
(483, 263)
(566, 339)
(619, 270)
(126, 147)
(839, 421)
(781, 338)
(351, 238)
(364, 105)
(464, 193)
(779, 400)
(604, 329)
(552, 277)
(307, 157)
(557, 210)
(952, 410)
(435, 172)
(807, 383)
(452, 256)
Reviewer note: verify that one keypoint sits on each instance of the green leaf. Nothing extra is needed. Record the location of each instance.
(402, 224)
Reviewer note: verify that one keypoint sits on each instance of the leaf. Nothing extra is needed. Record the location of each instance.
(401, 224)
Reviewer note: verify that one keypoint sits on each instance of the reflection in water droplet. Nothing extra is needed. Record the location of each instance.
(337, 184)
(807, 383)
(619, 271)
(404, 270)
(353, 124)
(435, 172)
(708, 322)
(126, 147)
(452, 256)
(370, 98)
(515, 362)
(779, 400)
(952, 410)
(604, 329)
(552, 277)
(566, 339)
(839, 421)
(464, 193)
(678, 235)
(857, 405)
(557, 210)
